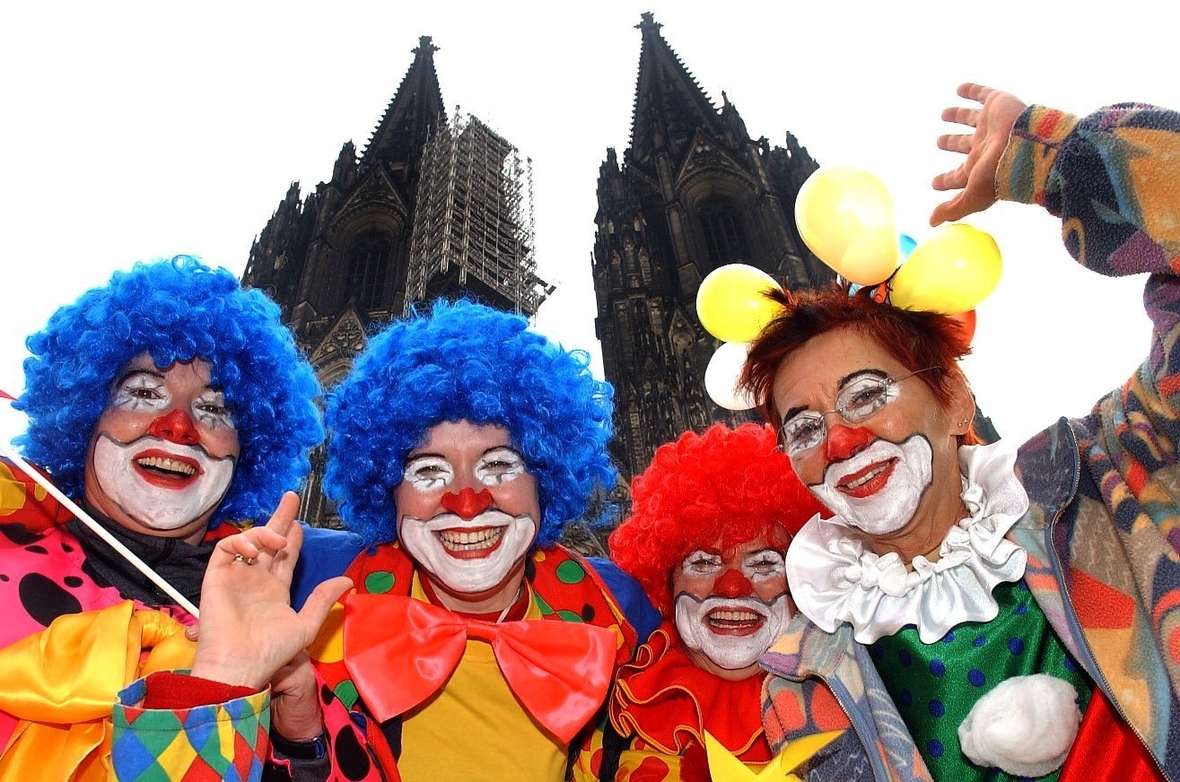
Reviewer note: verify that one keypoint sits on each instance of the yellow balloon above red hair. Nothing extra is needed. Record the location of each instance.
(845, 217)
(732, 302)
(951, 272)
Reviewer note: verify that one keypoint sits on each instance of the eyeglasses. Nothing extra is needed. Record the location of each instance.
(856, 402)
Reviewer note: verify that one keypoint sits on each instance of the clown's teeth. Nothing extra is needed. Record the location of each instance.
(168, 465)
(733, 616)
(455, 540)
(868, 476)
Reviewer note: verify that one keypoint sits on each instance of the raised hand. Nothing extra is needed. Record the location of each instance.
(248, 630)
(975, 178)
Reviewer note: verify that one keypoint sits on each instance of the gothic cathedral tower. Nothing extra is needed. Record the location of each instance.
(340, 258)
(431, 208)
(694, 192)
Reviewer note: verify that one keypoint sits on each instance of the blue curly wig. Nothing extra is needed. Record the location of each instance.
(466, 361)
(175, 310)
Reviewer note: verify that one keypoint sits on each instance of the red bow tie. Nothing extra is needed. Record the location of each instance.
(559, 671)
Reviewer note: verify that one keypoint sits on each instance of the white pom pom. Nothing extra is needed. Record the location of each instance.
(1025, 726)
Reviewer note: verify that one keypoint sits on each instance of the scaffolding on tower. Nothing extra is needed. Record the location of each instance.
(473, 221)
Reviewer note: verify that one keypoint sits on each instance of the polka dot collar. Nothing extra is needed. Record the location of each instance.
(834, 578)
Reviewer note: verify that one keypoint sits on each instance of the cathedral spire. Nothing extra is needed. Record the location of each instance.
(669, 104)
(414, 113)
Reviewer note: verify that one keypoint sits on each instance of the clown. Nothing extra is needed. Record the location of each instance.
(1014, 610)
(468, 514)
(462, 443)
(173, 405)
(712, 517)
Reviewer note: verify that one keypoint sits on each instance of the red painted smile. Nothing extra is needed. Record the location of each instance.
(867, 481)
(167, 470)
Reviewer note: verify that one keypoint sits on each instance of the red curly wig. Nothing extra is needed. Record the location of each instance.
(727, 484)
(915, 339)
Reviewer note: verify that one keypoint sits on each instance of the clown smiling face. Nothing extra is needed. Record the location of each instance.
(731, 606)
(894, 473)
(163, 451)
(878, 490)
(467, 514)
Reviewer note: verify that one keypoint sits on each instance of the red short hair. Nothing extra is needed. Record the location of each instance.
(917, 340)
(727, 484)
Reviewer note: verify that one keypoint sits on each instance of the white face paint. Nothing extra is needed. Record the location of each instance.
(695, 622)
(160, 484)
(732, 610)
(879, 489)
(467, 556)
(432, 472)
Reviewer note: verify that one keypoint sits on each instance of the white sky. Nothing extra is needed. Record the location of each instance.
(137, 130)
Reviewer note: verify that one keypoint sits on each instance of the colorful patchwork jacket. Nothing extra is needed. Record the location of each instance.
(1103, 528)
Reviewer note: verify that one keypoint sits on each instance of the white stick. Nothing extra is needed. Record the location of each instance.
(98, 529)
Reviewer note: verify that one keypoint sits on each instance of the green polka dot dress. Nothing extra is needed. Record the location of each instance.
(935, 685)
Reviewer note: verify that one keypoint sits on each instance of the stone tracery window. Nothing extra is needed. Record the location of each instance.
(723, 231)
(368, 266)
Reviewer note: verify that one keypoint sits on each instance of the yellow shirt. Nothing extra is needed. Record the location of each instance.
(475, 729)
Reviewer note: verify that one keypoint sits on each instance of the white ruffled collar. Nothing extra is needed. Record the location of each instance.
(834, 578)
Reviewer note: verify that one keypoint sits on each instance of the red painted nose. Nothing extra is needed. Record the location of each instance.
(466, 504)
(733, 583)
(846, 441)
(176, 427)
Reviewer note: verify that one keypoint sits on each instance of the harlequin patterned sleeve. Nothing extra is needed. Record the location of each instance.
(226, 741)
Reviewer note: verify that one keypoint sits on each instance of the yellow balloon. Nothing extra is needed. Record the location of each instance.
(732, 304)
(950, 272)
(845, 217)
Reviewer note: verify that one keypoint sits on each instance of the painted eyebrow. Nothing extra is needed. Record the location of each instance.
(704, 551)
(794, 411)
(428, 454)
(881, 373)
(424, 455)
(123, 378)
(159, 376)
(509, 448)
(843, 382)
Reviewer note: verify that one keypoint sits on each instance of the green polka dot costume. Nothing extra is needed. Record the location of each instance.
(936, 685)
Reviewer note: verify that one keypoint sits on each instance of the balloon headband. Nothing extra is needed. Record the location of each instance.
(845, 217)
